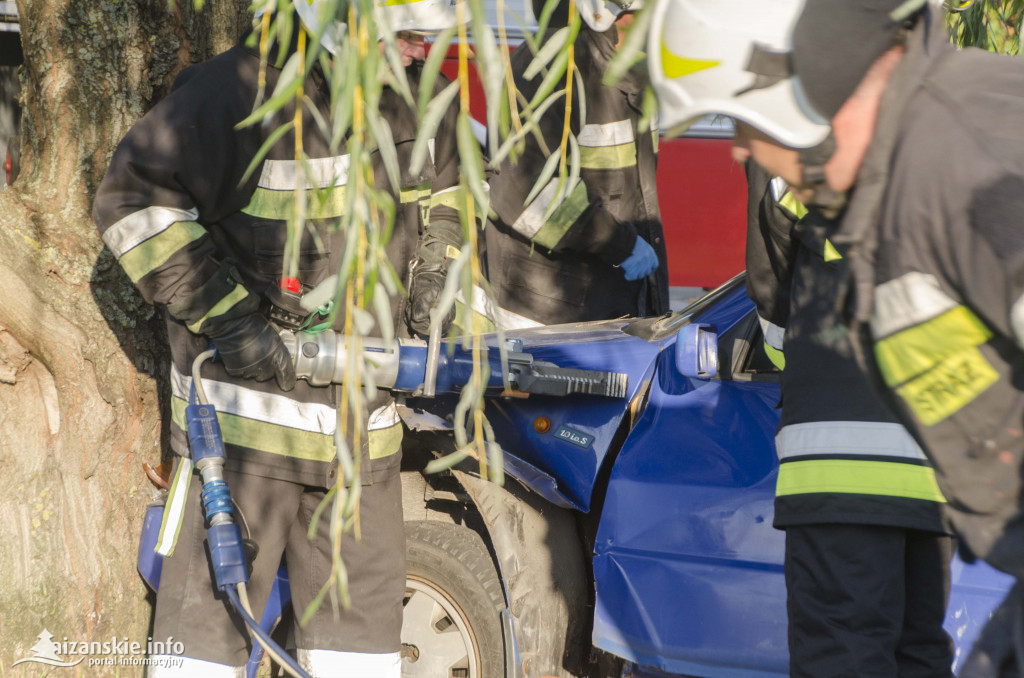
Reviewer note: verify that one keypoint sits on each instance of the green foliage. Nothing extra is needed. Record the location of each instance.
(992, 25)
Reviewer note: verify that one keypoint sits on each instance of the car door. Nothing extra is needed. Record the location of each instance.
(687, 566)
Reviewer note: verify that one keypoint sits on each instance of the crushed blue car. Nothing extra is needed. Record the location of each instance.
(677, 481)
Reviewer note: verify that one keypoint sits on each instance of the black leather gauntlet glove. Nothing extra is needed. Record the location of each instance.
(251, 349)
(440, 244)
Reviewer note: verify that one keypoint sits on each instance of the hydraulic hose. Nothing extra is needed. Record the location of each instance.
(227, 554)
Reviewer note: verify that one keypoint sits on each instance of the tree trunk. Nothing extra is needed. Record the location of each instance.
(82, 362)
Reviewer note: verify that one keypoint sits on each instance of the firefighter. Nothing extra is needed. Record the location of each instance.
(600, 252)
(867, 556)
(207, 247)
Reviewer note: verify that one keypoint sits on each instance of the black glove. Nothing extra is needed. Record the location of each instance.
(252, 349)
(440, 244)
(424, 291)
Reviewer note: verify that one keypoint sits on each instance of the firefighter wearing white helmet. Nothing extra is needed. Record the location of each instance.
(867, 560)
(326, 18)
(597, 251)
(202, 230)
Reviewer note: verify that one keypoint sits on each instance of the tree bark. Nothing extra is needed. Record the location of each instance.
(82, 362)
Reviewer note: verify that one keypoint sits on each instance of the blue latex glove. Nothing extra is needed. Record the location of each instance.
(641, 263)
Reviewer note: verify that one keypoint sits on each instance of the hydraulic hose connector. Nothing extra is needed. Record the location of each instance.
(223, 535)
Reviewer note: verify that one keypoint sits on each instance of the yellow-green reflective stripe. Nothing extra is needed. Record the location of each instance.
(454, 198)
(777, 357)
(793, 205)
(948, 386)
(831, 253)
(849, 476)
(267, 204)
(917, 349)
(608, 157)
(174, 509)
(565, 215)
(150, 254)
(221, 307)
(414, 193)
(471, 321)
(271, 438)
(384, 442)
(676, 66)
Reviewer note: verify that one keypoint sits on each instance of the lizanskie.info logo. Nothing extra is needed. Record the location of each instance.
(113, 652)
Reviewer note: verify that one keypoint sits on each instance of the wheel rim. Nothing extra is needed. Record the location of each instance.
(437, 640)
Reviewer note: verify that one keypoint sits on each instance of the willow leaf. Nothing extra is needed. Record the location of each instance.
(265, 148)
(386, 148)
(555, 74)
(552, 47)
(550, 167)
(532, 124)
(432, 67)
(436, 111)
(472, 161)
(632, 51)
(288, 84)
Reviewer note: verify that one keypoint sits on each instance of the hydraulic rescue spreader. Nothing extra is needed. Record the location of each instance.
(424, 369)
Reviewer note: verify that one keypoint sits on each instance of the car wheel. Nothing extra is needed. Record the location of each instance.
(453, 600)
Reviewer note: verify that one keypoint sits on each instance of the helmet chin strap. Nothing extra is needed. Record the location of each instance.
(823, 197)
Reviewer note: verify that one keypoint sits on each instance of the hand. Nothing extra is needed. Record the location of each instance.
(252, 349)
(424, 291)
(641, 263)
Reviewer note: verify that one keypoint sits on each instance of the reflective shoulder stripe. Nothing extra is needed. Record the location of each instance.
(233, 297)
(866, 438)
(774, 335)
(143, 225)
(777, 357)
(789, 203)
(779, 188)
(265, 407)
(908, 300)
(848, 476)
(830, 253)
(281, 175)
(149, 255)
(607, 134)
(174, 508)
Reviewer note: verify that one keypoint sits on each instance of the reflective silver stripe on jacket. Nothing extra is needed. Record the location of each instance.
(266, 407)
(281, 175)
(870, 438)
(774, 334)
(607, 134)
(906, 301)
(140, 226)
(383, 417)
(532, 218)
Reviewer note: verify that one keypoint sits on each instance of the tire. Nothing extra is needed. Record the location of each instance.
(453, 603)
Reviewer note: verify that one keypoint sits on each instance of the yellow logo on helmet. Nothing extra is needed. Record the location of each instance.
(675, 66)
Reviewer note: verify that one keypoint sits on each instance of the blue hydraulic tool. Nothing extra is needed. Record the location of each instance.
(227, 554)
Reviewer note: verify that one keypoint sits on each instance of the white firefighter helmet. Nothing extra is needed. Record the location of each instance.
(732, 58)
(426, 16)
(599, 15)
(313, 13)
